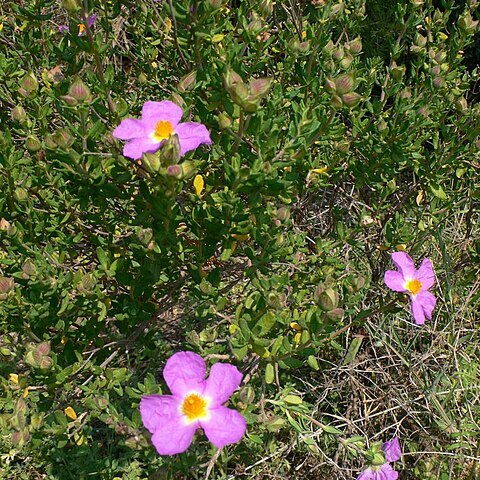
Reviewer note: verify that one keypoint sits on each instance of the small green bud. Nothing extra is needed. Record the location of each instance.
(438, 82)
(330, 85)
(19, 114)
(71, 6)
(255, 25)
(68, 100)
(28, 85)
(336, 10)
(336, 102)
(396, 71)
(28, 269)
(170, 151)
(338, 53)
(43, 348)
(328, 300)
(151, 162)
(351, 99)
(344, 83)
(329, 47)
(176, 98)
(355, 46)
(79, 91)
(224, 121)
(33, 144)
(342, 147)
(420, 40)
(20, 194)
(336, 314)
(63, 138)
(283, 214)
(50, 142)
(187, 82)
(7, 284)
(467, 24)
(461, 105)
(346, 61)
(260, 87)
(174, 171)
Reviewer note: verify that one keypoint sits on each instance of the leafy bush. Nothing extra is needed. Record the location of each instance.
(337, 139)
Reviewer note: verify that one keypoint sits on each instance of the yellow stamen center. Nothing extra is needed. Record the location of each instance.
(195, 407)
(163, 130)
(81, 28)
(413, 286)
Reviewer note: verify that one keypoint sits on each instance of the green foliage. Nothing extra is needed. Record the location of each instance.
(333, 143)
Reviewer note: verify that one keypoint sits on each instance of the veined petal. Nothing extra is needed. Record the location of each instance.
(173, 437)
(191, 135)
(91, 19)
(138, 146)
(392, 450)
(367, 474)
(153, 112)
(386, 472)
(223, 380)
(129, 129)
(405, 264)
(157, 410)
(426, 275)
(395, 281)
(417, 310)
(185, 372)
(224, 427)
(428, 301)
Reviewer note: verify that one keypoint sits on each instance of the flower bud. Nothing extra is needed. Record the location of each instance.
(28, 85)
(174, 171)
(260, 87)
(68, 100)
(336, 102)
(338, 53)
(187, 82)
(19, 114)
(344, 83)
(330, 85)
(188, 168)
(283, 214)
(63, 138)
(356, 46)
(151, 162)
(49, 142)
(79, 91)
(329, 47)
(255, 25)
(396, 71)
(336, 314)
(351, 99)
(346, 61)
(420, 40)
(467, 24)
(461, 105)
(342, 147)
(7, 284)
(438, 82)
(224, 121)
(4, 225)
(176, 98)
(145, 235)
(20, 194)
(28, 269)
(71, 6)
(336, 10)
(33, 144)
(170, 151)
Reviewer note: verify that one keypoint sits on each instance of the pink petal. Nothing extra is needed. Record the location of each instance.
(173, 437)
(367, 474)
(405, 264)
(224, 379)
(427, 301)
(153, 112)
(185, 372)
(392, 450)
(386, 472)
(157, 410)
(426, 275)
(129, 129)
(224, 427)
(91, 20)
(417, 310)
(191, 135)
(138, 146)
(395, 281)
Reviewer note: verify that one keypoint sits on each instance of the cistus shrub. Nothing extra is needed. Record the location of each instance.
(231, 179)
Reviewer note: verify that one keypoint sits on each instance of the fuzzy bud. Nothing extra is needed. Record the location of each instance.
(63, 138)
(356, 46)
(50, 142)
(33, 144)
(70, 101)
(396, 71)
(79, 91)
(467, 24)
(255, 25)
(461, 105)
(283, 214)
(7, 284)
(28, 85)
(336, 102)
(351, 99)
(170, 151)
(346, 61)
(28, 269)
(330, 85)
(174, 171)
(338, 53)
(260, 87)
(328, 299)
(224, 121)
(19, 114)
(187, 82)
(71, 6)
(438, 82)
(344, 83)
(20, 194)
(145, 235)
(151, 162)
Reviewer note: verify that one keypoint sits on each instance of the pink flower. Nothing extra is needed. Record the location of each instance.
(413, 282)
(81, 26)
(393, 452)
(160, 120)
(194, 403)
